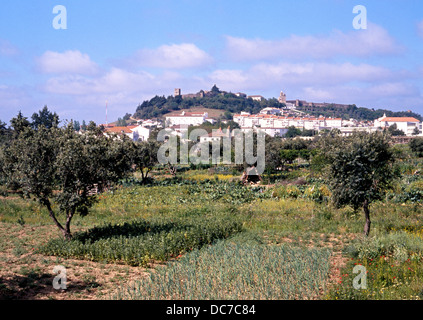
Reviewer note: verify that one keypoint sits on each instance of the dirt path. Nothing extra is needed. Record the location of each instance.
(26, 275)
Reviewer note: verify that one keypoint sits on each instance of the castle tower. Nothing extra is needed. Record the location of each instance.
(282, 97)
(177, 92)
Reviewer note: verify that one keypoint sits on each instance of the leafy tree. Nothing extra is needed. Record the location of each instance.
(121, 122)
(360, 170)
(416, 145)
(83, 126)
(288, 155)
(393, 130)
(76, 126)
(293, 132)
(19, 124)
(46, 118)
(59, 168)
(145, 157)
(5, 133)
(215, 90)
(416, 131)
(92, 126)
(273, 154)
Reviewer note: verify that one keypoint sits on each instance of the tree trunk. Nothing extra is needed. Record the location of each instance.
(67, 233)
(65, 230)
(367, 216)
(52, 215)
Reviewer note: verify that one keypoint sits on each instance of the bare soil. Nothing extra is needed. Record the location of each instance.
(26, 275)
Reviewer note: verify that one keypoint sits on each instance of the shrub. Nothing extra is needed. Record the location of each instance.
(400, 244)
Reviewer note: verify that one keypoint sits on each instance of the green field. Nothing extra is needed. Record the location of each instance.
(283, 241)
(203, 235)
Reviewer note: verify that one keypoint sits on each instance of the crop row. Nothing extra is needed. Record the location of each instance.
(141, 242)
(237, 271)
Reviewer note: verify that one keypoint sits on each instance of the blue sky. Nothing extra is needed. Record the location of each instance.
(125, 52)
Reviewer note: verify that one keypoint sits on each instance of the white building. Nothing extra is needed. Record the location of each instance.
(149, 123)
(333, 122)
(347, 131)
(257, 98)
(140, 133)
(273, 132)
(274, 124)
(269, 110)
(187, 118)
(407, 124)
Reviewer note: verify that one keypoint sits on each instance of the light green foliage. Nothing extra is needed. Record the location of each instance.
(399, 244)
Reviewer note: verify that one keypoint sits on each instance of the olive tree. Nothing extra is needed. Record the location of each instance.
(360, 170)
(59, 168)
(145, 157)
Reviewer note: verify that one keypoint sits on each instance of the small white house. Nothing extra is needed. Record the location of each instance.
(135, 133)
(407, 124)
(257, 98)
(141, 133)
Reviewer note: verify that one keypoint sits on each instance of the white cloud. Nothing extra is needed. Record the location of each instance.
(265, 75)
(68, 62)
(174, 56)
(375, 40)
(123, 90)
(380, 95)
(115, 80)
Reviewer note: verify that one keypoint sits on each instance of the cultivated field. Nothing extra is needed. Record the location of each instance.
(205, 236)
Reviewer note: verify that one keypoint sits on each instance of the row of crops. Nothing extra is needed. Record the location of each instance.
(140, 242)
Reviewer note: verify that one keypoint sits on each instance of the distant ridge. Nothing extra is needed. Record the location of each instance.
(232, 103)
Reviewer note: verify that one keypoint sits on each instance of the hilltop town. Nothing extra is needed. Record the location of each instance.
(275, 117)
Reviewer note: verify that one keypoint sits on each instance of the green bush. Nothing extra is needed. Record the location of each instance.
(401, 245)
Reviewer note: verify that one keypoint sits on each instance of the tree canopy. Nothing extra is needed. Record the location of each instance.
(46, 118)
(360, 169)
(60, 167)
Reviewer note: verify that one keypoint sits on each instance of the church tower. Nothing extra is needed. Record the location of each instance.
(282, 97)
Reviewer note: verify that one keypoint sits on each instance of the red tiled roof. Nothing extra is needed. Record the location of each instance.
(120, 129)
(399, 119)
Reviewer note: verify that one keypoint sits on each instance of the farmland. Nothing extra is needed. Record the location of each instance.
(177, 236)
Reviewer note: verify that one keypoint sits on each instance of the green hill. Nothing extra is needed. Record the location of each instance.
(229, 103)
